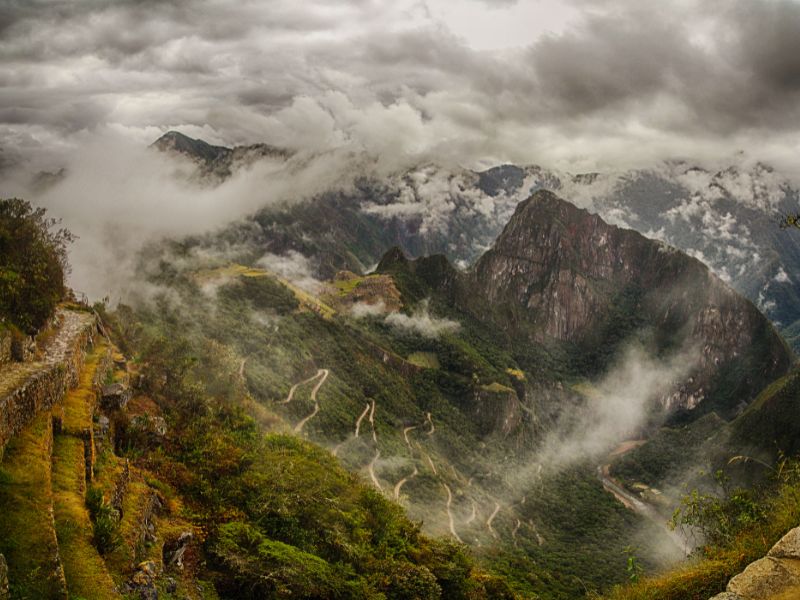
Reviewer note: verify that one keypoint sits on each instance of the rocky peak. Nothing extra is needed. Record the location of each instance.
(196, 149)
(559, 274)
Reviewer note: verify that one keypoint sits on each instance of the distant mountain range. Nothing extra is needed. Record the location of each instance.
(728, 219)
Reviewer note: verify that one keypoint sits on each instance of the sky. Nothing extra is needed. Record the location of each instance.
(573, 84)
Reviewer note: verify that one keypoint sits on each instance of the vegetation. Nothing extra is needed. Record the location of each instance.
(27, 536)
(274, 503)
(33, 262)
(739, 526)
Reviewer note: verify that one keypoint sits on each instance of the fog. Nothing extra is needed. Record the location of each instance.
(618, 407)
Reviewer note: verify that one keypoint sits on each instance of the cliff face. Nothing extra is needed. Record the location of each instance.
(563, 283)
(560, 274)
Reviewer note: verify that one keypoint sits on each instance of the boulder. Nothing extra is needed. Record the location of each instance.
(143, 582)
(765, 578)
(115, 396)
(175, 549)
(788, 546)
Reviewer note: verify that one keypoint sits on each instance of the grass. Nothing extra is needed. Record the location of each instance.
(27, 536)
(131, 550)
(84, 568)
(426, 360)
(709, 575)
(516, 374)
(306, 300)
(497, 388)
(79, 402)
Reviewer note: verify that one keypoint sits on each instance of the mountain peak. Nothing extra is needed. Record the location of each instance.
(560, 274)
(197, 149)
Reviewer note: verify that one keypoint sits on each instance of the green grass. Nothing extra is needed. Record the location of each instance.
(79, 402)
(427, 360)
(27, 536)
(497, 388)
(131, 550)
(84, 568)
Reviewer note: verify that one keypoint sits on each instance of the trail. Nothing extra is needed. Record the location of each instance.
(338, 447)
(428, 458)
(299, 427)
(514, 532)
(371, 469)
(361, 418)
(474, 513)
(372, 423)
(491, 518)
(450, 513)
(296, 385)
(405, 436)
(429, 420)
(539, 538)
(371, 466)
(241, 368)
(403, 481)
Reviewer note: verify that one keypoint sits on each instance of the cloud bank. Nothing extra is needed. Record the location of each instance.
(576, 84)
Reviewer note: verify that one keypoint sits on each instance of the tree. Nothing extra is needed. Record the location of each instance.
(33, 264)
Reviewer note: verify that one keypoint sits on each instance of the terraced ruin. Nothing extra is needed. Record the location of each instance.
(79, 521)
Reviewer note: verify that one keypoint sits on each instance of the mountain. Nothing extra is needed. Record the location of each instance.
(561, 277)
(430, 429)
(216, 163)
(728, 218)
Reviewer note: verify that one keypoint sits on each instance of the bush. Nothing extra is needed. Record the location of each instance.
(105, 521)
(33, 263)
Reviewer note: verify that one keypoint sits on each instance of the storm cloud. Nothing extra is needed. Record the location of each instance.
(579, 84)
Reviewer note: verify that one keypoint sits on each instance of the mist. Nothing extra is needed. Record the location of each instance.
(617, 407)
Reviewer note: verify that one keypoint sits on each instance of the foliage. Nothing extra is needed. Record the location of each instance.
(105, 521)
(634, 567)
(33, 263)
(741, 526)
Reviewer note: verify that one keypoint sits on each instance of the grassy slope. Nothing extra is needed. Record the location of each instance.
(84, 569)
(252, 318)
(709, 574)
(27, 536)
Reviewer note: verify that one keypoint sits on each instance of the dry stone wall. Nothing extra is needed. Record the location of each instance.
(26, 389)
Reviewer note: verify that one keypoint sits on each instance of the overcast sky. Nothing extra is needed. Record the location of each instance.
(574, 84)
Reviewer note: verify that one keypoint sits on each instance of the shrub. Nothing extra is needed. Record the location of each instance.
(105, 521)
(33, 262)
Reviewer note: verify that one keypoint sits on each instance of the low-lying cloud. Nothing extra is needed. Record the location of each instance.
(421, 322)
(617, 407)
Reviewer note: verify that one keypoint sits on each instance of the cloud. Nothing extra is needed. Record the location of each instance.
(634, 83)
(421, 322)
(293, 267)
(360, 310)
(618, 407)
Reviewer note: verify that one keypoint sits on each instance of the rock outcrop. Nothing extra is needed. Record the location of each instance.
(496, 408)
(774, 577)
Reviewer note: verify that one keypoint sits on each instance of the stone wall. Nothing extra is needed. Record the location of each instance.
(4, 591)
(44, 383)
(5, 348)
